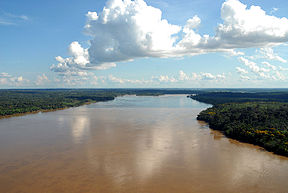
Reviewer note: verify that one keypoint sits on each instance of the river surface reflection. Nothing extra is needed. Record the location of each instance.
(132, 144)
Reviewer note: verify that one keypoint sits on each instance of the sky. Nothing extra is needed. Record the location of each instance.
(143, 44)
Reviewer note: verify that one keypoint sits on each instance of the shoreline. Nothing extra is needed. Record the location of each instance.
(46, 111)
(245, 141)
(268, 138)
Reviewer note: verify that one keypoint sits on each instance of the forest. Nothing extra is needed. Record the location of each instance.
(256, 118)
(220, 97)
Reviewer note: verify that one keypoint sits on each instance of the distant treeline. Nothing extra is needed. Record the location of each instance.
(249, 117)
(24, 101)
(20, 101)
(228, 97)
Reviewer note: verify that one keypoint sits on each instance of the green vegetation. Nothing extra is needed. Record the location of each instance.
(243, 96)
(260, 122)
(26, 101)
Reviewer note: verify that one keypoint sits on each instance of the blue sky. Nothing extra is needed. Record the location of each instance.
(132, 45)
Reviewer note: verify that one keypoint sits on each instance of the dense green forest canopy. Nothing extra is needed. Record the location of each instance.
(258, 117)
(216, 97)
(260, 123)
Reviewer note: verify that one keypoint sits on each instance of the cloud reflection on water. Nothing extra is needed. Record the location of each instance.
(80, 127)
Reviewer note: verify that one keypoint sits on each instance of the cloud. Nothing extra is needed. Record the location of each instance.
(209, 76)
(104, 66)
(281, 68)
(89, 78)
(273, 10)
(279, 76)
(249, 27)
(42, 80)
(271, 72)
(235, 53)
(254, 67)
(79, 55)
(200, 76)
(269, 65)
(123, 31)
(165, 78)
(76, 65)
(243, 77)
(12, 19)
(114, 79)
(192, 23)
(242, 27)
(241, 70)
(94, 80)
(78, 60)
(268, 53)
(9, 80)
(183, 76)
(5, 22)
(126, 30)
(5, 75)
(20, 17)
(154, 80)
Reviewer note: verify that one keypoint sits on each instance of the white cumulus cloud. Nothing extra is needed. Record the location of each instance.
(125, 30)
(250, 27)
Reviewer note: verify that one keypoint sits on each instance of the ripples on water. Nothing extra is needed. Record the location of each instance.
(131, 144)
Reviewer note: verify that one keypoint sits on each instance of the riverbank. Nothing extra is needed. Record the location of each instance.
(46, 110)
(21, 102)
(260, 123)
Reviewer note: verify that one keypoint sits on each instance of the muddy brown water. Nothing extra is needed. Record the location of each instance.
(132, 144)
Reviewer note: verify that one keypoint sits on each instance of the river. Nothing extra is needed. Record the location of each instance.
(131, 145)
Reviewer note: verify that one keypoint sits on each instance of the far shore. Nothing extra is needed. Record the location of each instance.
(44, 110)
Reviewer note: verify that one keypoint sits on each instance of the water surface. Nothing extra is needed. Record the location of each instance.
(132, 144)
